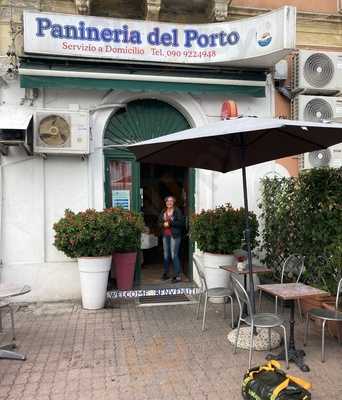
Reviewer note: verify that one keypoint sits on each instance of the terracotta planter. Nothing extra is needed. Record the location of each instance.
(311, 302)
(308, 303)
(124, 269)
(334, 328)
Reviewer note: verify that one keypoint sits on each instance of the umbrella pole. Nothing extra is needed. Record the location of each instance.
(248, 235)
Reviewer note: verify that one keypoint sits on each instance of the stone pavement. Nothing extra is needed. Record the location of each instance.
(130, 352)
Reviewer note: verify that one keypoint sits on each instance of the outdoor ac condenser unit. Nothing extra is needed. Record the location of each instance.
(315, 72)
(61, 132)
(318, 109)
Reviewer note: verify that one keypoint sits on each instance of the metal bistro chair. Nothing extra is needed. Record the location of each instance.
(292, 269)
(325, 315)
(4, 304)
(259, 320)
(215, 293)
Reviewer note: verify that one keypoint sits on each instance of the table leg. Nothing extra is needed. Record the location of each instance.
(6, 353)
(244, 310)
(296, 356)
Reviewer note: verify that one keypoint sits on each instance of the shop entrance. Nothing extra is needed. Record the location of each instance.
(142, 187)
(158, 182)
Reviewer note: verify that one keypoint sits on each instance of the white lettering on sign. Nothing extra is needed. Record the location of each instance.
(129, 294)
(267, 37)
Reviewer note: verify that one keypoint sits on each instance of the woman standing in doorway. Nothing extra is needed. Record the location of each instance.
(172, 222)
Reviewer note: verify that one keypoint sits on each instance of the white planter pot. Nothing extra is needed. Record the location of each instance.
(94, 278)
(215, 276)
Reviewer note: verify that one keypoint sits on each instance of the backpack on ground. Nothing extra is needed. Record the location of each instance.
(269, 382)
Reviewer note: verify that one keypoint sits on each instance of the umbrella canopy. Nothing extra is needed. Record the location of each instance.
(217, 146)
(237, 143)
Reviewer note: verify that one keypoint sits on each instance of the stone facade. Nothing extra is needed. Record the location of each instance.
(319, 25)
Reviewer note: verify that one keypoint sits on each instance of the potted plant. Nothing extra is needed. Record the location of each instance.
(332, 277)
(241, 258)
(89, 237)
(218, 232)
(128, 229)
(302, 215)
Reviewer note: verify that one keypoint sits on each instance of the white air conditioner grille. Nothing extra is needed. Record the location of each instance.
(61, 132)
(318, 70)
(317, 110)
(320, 158)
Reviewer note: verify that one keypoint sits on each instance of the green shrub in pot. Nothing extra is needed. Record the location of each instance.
(88, 233)
(329, 276)
(89, 236)
(220, 230)
(127, 229)
(127, 241)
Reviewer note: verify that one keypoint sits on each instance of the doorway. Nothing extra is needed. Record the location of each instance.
(144, 186)
(158, 182)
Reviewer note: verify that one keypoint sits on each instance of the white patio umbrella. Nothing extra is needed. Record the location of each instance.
(237, 143)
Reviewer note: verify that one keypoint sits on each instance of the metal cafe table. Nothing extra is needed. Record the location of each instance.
(255, 268)
(6, 292)
(234, 270)
(291, 292)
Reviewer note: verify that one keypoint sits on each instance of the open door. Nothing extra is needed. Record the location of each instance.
(125, 180)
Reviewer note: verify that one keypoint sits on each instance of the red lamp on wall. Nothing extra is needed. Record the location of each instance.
(229, 110)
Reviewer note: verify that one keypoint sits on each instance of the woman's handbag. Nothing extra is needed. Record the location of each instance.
(269, 382)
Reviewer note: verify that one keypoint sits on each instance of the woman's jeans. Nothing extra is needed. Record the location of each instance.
(171, 247)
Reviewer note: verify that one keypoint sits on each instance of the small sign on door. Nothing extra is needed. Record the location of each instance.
(121, 198)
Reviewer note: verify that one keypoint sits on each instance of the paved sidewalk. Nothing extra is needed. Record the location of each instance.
(139, 353)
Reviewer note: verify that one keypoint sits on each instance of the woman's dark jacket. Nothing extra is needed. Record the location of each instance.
(177, 223)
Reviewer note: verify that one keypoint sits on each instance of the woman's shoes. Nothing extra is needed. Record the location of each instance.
(175, 279)
(165, 277)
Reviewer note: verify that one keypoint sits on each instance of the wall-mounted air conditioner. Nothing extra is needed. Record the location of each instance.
(317, 72)
(61, 132)
(331, 157)
(317, 109)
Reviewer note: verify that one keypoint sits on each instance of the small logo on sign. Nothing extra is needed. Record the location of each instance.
(263, 34)
(264, 39)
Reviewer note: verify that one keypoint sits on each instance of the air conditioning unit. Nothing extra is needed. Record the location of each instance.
(61, 132)
(331, 157)
(317, 109)
(317, 72)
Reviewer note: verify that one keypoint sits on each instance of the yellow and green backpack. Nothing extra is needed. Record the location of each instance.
(269, 382)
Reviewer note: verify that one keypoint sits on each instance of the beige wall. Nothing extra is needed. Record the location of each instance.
(326, 6)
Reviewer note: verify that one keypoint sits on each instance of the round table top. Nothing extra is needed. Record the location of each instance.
(11, 290)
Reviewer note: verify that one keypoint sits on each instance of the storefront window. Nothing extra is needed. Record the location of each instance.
(121, 183)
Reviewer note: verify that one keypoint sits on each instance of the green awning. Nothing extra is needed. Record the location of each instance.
(47, 73)
(36, 81)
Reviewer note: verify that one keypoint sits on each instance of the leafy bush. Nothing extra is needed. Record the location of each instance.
(303, 215)
(128, 228)
(94, 233)
(328, 270)
(221, 230)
